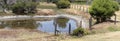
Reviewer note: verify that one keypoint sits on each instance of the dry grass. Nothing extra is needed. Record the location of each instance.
(111, 36)
(118, 16)
(103, 32)
(77, 12)
(46, 12)
(72, 10)
(25, 35)
(44, 5)
(34, 35)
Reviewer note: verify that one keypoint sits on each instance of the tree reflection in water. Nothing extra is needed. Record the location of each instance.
(43, 25)
(2, 25)
(27, 24)
(61, 22)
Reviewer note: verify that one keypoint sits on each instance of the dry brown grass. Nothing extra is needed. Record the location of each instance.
(102, 32)
(45, 12)
(51, 9)
(24, 35)
(77, 12)
(34, 35)
(111, 36)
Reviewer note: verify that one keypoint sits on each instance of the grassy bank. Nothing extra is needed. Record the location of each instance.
(107, 31)
(24, 35)
(111, 36)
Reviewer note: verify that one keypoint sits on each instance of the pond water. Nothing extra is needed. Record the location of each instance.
(41, 25)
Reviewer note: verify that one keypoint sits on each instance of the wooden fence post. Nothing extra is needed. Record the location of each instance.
(55, 32)
(90, 23)
(79, 7)
(115, 19)
(87, 10)
(80, 23)
(76, 7)
(69, 29)
(83, 8)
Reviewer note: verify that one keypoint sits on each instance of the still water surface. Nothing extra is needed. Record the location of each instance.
(44, 25)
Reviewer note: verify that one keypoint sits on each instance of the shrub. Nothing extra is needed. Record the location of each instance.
(23, 8)
(79, 32)
(54, 1)
(63, 4)
(103, 10)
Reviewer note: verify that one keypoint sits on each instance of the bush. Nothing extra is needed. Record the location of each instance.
(103, 10)
(63, 4)
(23, 8)
(54, 1)
(79, 32)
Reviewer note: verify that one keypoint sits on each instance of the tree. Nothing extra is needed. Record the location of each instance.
(4, 4)
(24, 7)
(103, 10)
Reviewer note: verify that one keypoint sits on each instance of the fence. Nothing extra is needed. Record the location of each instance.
(83, 8)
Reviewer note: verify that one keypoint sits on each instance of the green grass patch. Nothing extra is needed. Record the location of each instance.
(113, 29)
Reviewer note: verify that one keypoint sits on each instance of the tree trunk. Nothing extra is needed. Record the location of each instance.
(103, 19)
(98, 20)
(4, 10)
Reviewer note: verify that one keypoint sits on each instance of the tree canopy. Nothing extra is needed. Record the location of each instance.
(23, 7)
(102, 10)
